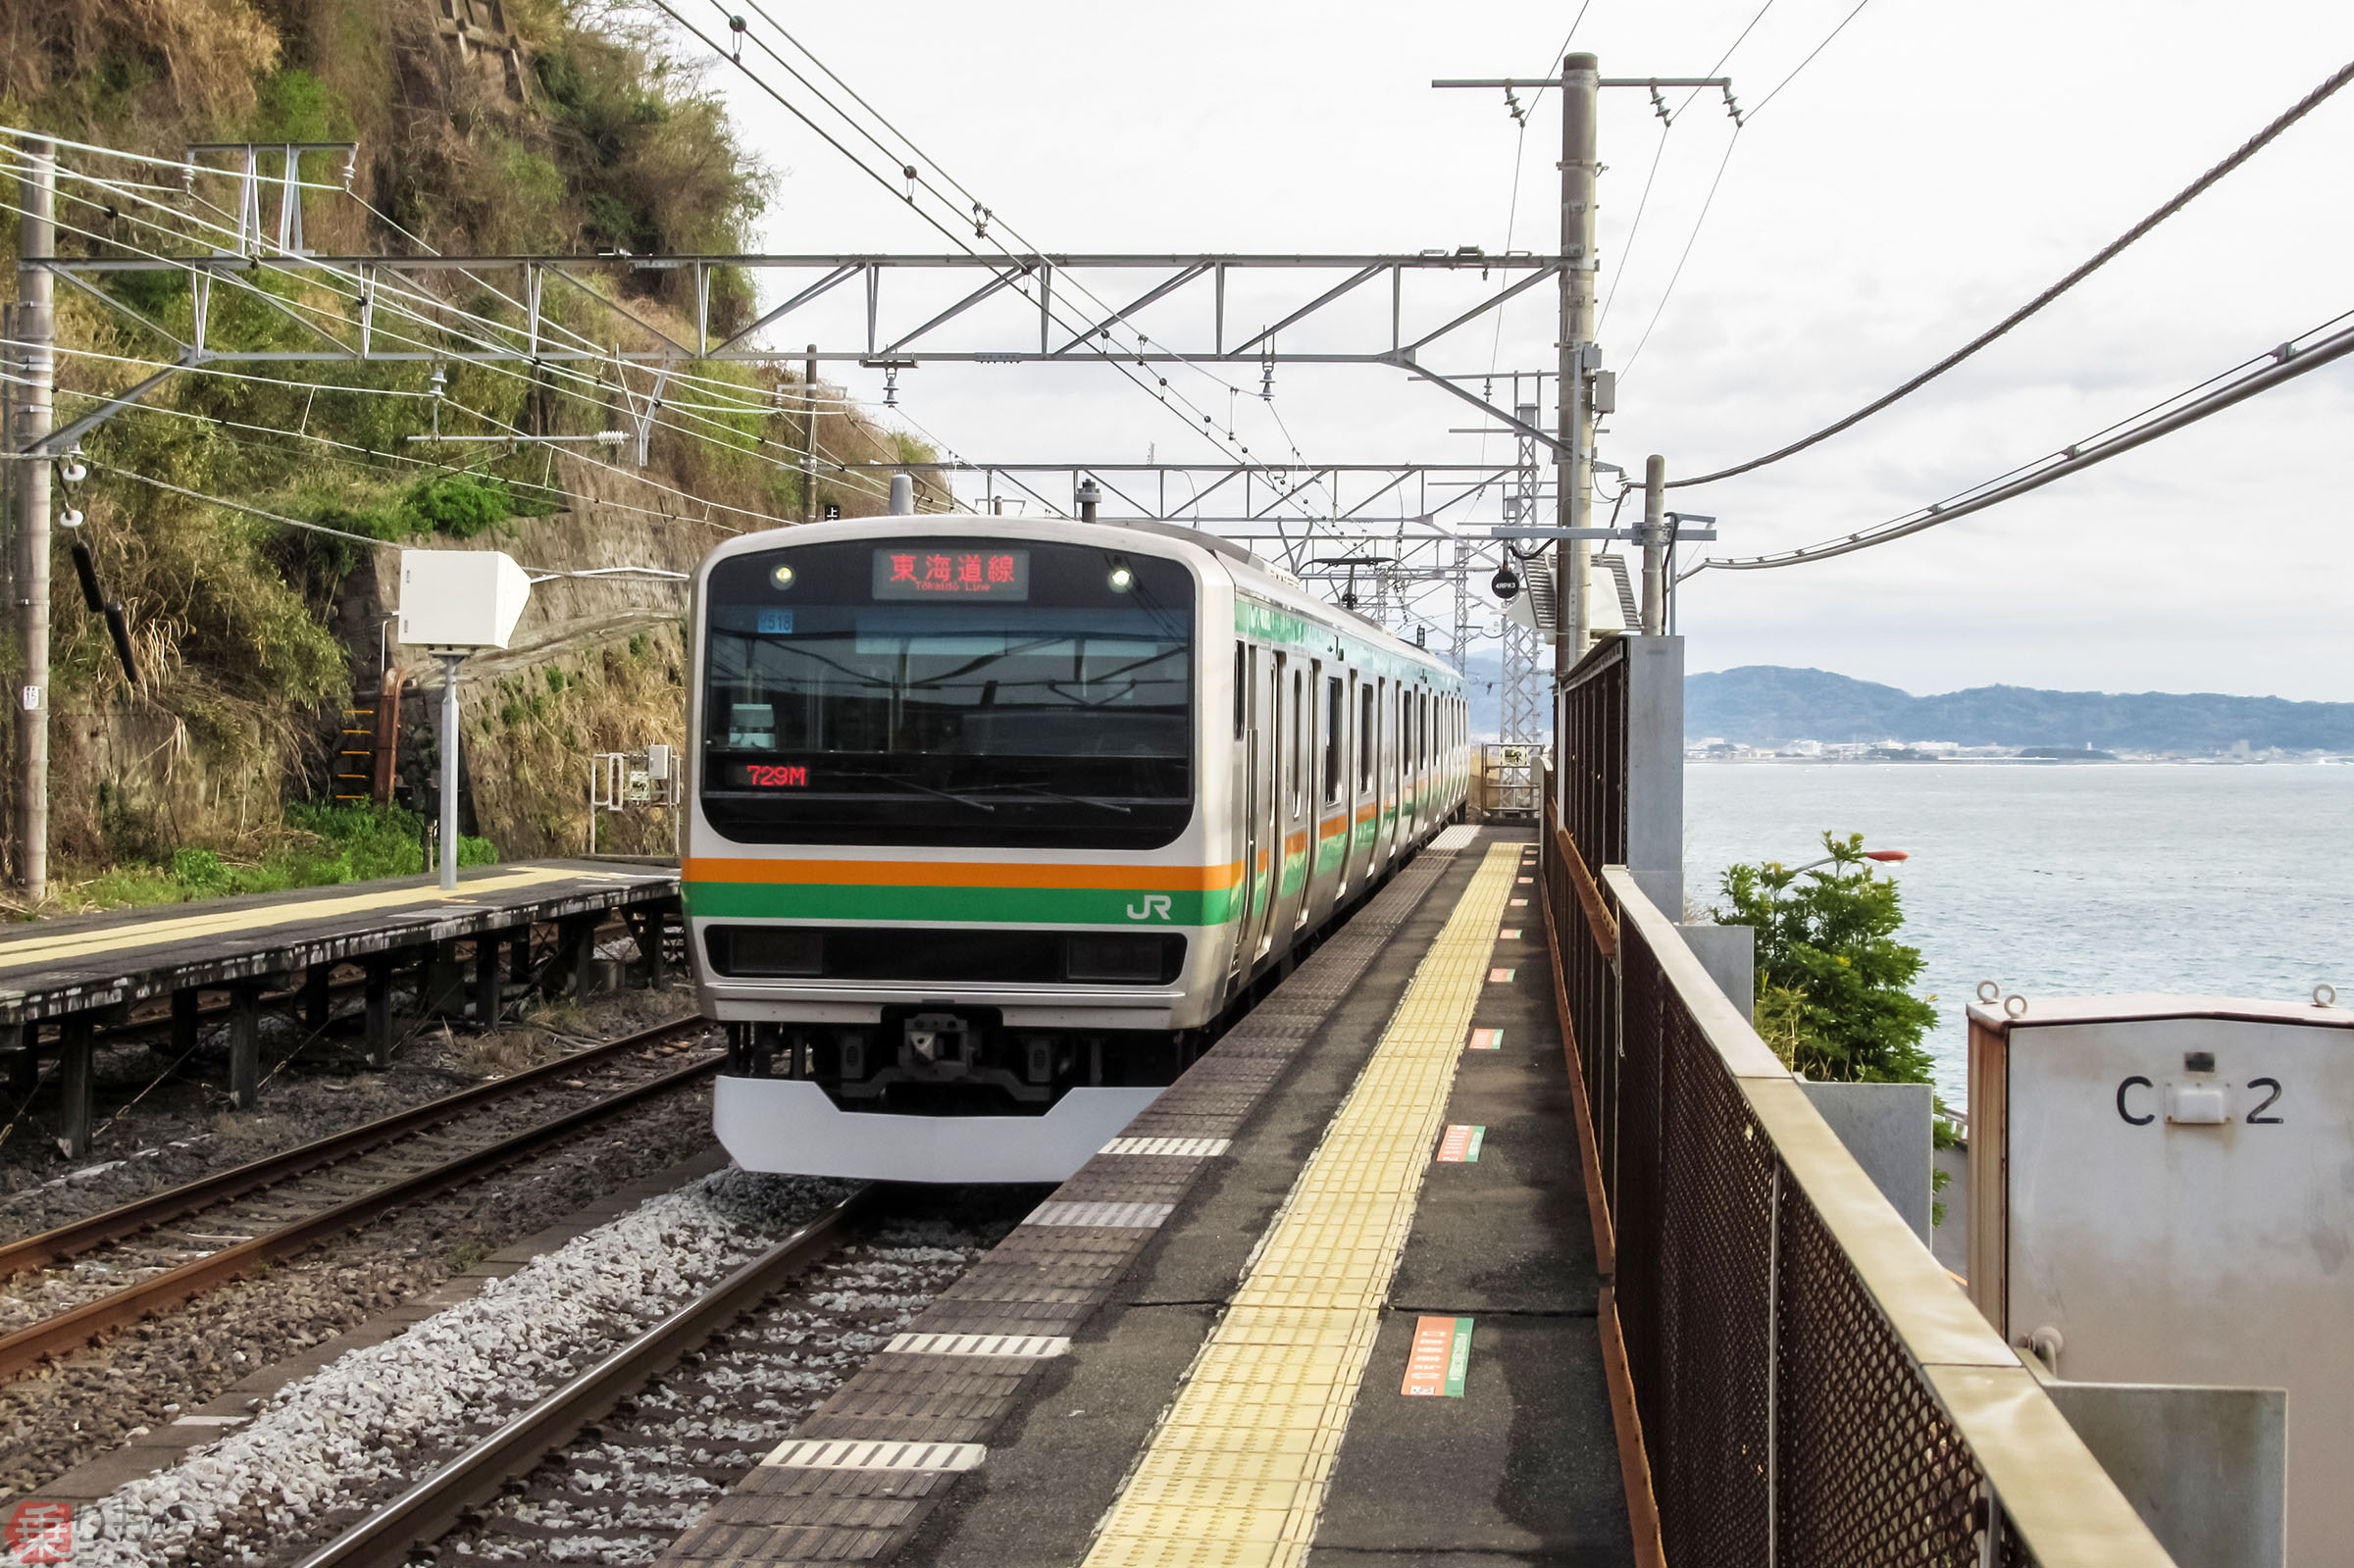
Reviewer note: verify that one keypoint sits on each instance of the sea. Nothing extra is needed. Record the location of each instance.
(2068, 880)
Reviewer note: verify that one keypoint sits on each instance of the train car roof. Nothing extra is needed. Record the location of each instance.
(1245, 562)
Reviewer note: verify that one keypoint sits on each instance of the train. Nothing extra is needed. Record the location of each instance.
(989, 823)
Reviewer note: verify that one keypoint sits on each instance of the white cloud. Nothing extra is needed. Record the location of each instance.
(1933, 169)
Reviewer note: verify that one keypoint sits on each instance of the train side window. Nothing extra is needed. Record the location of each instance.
(1424, 731)
(1242, 689)
(1335, 736)
(1298, 728)
(1364, 737)
(1402, 747)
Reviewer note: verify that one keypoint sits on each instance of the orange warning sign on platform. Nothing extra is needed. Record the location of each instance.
(1440, 1359)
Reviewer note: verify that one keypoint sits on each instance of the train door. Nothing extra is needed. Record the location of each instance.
(1422, 779)
(1266, 804)
(1328, 811)
(1244, 840)
(1361, 782)
(1299, 700)
(1407, 802)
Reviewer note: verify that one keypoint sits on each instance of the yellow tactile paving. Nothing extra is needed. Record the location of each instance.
(1234, 1477)
(68, 946)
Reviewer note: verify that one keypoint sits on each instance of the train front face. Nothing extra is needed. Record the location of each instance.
(947, 879)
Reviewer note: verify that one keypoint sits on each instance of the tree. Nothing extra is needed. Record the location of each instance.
(1832, 976)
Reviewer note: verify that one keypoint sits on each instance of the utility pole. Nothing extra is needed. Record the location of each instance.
(1581, 89)
(1655, 545)
(36, 325)
(450, 728)
(809, 436)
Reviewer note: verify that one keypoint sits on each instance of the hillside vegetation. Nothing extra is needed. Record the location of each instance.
(586, 138)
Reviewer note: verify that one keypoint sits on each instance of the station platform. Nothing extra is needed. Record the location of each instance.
(61, 978)
(1330, 1301)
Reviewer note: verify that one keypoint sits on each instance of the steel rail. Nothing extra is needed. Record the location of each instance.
(160, 1208)
(79, 1325)
(438, 1504)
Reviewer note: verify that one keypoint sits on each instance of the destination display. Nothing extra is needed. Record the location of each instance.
(952, 574)
(769, 776)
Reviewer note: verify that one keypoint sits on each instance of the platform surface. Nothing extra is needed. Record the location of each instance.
(77, 962)
(1217, 1316)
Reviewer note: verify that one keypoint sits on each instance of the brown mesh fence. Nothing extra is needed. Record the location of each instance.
(1783, 1418)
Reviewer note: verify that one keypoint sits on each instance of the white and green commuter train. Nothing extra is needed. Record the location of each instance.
(992, 822)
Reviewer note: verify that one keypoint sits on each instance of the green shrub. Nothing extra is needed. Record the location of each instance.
(1831, 975)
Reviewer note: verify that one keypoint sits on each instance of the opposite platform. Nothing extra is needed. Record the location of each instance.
(81, 963)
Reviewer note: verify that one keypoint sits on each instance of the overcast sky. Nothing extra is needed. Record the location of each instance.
(1936, 165)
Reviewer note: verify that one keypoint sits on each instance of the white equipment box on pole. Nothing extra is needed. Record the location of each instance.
(453, 603)
(460, 600)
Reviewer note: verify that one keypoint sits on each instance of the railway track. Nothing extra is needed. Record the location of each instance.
(619, 1461)
(73, 1283)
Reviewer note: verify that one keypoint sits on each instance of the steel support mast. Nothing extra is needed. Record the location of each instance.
(1581, 91)
(36, 319)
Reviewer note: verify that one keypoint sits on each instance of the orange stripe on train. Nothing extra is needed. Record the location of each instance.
(961, 873)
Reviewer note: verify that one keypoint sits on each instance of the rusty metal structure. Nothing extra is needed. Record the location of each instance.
(1796, 1380)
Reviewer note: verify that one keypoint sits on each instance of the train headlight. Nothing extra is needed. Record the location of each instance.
(1121, 580)
(781, 577)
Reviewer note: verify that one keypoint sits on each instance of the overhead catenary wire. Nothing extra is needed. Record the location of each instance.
(537, 574)
(2258, 373)
(733, 436)
(2101, 258)
(1810, 59)
(1162, 393)
(317, 277)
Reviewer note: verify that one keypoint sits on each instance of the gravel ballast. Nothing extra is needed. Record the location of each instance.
(100, 1397)
(373, 1419)
(180, 1125)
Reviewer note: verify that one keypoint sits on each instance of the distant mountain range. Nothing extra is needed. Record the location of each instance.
(1771, 705)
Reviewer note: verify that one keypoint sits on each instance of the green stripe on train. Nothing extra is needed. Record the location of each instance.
(1024, 906)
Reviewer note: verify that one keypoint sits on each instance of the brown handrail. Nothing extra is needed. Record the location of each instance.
(1598, 913)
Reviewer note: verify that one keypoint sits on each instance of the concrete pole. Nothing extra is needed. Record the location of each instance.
(809, 436)
(449, 769)
(1655, 545)
(37, 323)
(1574, 475)
(1089, 498)
(903, 495)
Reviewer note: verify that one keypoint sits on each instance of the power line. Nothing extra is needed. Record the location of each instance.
(1732, 142)
(732, 436)
(1809, 60)
(981, 217)
(543, 573)
(2167, 209)
(2258, 373)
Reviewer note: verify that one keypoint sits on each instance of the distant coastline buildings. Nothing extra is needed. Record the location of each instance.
(1713, 748)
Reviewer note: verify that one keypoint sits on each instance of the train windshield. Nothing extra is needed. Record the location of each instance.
(948, 691)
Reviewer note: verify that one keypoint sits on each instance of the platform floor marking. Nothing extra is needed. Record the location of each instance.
(1486, 1039)
(1114, 1216)
(1497, 977)
(68, 946)
(1439, 1360)
(1237, 1472)
(1193, 1149)
(1459, 836)
(1460, 1143)
(1511, 933)
(838, 1453)
(1033, 1347)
